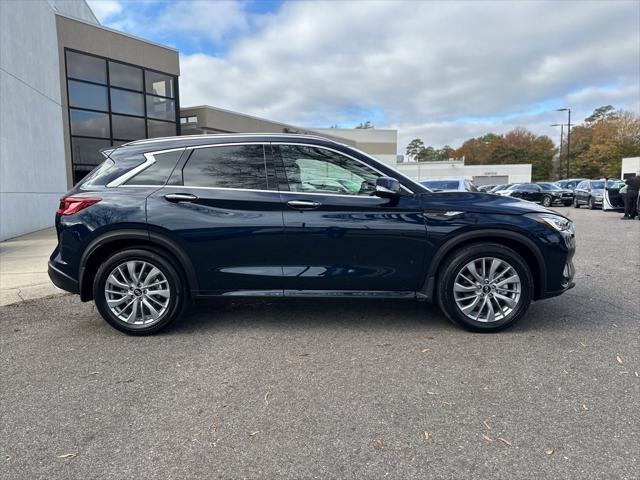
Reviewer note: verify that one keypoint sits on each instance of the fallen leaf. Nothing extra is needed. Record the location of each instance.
(304, 354)
(383, 345)
(637, 374)
(549, 451)
(424, 350)
(486, 424)
(584, 407)
(253, 434)
(582, 344)
(215, 427)
(432, 393)
(504, 441)
(425, 436)
(619, 359)
(488, 439)
(9, 456)
(66, 455)
(379, 444)
(445, 403)
(266, 396)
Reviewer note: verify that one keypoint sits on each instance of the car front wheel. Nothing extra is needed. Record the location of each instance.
(575, 203)
(546, 201)
(591, 203)
(139, 291)
(485, 288)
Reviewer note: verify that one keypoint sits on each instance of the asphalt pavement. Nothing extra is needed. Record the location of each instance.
(335, 389)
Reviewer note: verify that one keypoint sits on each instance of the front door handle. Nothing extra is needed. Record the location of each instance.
(303, 204)
(180, 197)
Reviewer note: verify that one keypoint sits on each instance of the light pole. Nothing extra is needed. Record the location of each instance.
(568, 110)
(561, 125)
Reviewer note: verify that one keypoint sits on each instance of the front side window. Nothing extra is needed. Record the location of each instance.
(582, 185)
(316, 170)
(233, 166)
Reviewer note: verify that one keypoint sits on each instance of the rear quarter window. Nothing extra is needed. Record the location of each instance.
(157, 173)
(99, 174)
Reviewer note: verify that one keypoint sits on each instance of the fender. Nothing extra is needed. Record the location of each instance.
(146, 236)
(448, 246)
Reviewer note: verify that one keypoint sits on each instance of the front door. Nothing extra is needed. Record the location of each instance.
(338, 236)
(223, 208)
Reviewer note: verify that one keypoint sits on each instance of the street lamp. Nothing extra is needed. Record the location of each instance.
(561, 125)
(568, 110)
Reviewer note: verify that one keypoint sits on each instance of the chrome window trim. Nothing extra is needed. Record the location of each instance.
(230, 135)
(149, 160)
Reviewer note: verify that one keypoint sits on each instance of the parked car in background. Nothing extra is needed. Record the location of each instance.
(163, 222)
(589, 193)
(570, 184)
(500, 188)
(485, 188)
(450, 185)
(567, 194)
(533, 193)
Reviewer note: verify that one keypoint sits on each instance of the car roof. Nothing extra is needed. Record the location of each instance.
(168, 143)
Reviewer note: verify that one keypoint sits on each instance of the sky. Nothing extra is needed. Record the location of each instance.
(439, 71)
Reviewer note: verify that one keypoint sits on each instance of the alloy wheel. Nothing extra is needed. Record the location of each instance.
(487, 289)
(137, 292)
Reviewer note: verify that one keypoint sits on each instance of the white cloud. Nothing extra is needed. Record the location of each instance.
(442, 71)
(103, 9)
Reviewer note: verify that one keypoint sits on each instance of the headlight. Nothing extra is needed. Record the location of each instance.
(556, 222)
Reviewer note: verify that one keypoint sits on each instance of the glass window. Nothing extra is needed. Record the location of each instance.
(87, 150)
(441, 184)
(159, 84)
(88, 95)
(161, 108)
(158, 128)
(90, 124)
(127, 102)
(99, 173)
(582, 185)
(86, 67)
(157, 173)
(311, 169)
(241, 166)
(125, 76)
(127, 128)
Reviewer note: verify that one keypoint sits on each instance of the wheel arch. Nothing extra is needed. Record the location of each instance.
(516, 241)
(101, 247)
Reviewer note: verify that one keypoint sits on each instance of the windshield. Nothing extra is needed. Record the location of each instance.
(549, 186)
(597, 185)
(441, 184)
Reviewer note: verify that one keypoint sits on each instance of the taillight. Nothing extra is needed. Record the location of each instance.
(71, 205)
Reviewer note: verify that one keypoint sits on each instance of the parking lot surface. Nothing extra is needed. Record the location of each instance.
(335, 389)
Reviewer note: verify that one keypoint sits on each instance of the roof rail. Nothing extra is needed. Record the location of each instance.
(146, 141)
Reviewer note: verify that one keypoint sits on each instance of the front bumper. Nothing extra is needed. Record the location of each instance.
(62, 280)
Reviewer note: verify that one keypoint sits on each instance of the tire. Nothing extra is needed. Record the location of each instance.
(546, 201)
(575, 203)
(167, 295)
(567, 204)
(457, 263)
(591, 203)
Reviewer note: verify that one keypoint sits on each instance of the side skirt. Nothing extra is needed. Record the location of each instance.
(313, 294)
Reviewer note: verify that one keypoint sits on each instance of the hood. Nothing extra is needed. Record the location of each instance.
(480, 203)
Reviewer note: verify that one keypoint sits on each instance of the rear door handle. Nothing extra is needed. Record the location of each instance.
(180, 197)
(303, 204)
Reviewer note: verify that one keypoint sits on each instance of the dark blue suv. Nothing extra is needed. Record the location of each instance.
(166, 221)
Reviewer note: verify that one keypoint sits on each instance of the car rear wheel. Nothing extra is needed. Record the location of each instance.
(546, 201)
(485, 288)
(139, 292)
(575, 203)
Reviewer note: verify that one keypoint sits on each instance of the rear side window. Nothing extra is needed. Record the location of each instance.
(157, 173)
(233, 166)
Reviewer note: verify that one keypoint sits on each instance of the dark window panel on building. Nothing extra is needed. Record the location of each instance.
(87, 150)
(86, 67)
(89, 124)
(125, 76)
(123, 101)
(159, 84)
(88, 95)
(127, 128)
(161, 108)
(158, 128)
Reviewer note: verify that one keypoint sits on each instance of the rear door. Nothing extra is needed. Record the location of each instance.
(344, 239)
(223, 208)
(582, 191)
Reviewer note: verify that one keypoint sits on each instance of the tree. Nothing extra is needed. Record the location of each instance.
(414, 148)
(606, 112)
(366, 125)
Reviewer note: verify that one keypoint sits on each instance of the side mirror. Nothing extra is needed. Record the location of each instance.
(387, 187)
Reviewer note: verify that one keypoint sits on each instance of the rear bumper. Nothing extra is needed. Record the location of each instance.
(62, 280)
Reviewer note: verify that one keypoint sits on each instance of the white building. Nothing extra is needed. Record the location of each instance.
(480, 174)
(630, 166)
